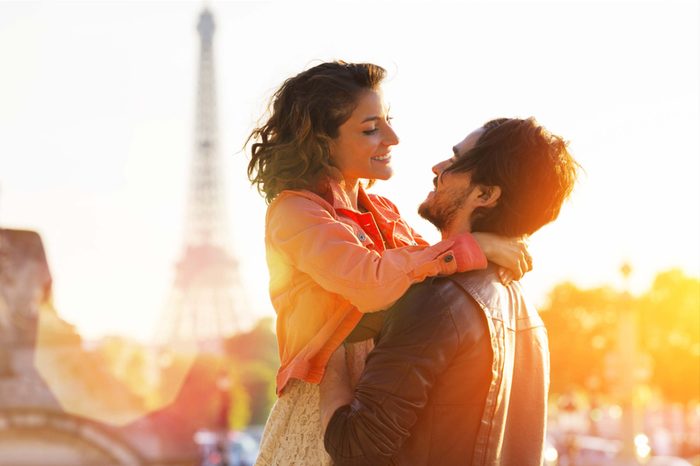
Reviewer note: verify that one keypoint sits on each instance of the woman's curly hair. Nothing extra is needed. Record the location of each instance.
(291, 150)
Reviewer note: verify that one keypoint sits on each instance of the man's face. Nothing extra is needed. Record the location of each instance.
(445, 203)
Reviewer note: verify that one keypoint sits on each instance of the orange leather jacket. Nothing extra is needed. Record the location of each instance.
(330, 263)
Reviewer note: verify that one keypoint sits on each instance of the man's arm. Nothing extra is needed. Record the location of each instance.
(417, 343)
(335, 388)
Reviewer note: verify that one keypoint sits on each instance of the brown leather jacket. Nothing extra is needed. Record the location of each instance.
(459, 376)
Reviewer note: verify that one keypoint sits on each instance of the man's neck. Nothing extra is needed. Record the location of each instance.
(456, 227)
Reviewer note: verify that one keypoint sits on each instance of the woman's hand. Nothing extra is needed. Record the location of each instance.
(510, 253)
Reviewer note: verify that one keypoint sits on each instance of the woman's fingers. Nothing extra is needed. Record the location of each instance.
(526, 259)
(509, 253)
(523, 259)
(505, 275)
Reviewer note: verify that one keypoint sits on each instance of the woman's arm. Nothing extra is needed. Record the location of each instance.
(316, 243)
(510, 253)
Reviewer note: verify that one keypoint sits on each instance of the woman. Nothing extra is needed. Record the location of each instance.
(334, 251)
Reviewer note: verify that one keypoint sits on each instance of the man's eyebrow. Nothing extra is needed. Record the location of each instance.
(371, 118)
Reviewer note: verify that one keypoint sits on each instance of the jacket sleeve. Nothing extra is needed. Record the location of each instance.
(316, 243)
(417, 344)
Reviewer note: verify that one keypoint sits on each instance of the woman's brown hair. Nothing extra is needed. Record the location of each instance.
(292, 147)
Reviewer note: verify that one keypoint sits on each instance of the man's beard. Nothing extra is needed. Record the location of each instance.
(442, 213)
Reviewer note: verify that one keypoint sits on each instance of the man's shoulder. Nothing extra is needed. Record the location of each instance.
(437, 291)
(482, 285)
(483, 277)
(436, 311)
(428, 303)
(509, 304)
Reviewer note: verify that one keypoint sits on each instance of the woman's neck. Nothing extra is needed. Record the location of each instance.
(351, 188)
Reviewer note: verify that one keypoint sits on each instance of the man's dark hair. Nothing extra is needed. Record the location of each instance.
(532, 167)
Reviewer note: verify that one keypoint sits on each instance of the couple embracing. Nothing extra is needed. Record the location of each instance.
(393, 350)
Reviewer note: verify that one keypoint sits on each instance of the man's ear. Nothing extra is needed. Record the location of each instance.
(488, 196)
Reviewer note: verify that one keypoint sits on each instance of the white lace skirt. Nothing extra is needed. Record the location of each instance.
(293, 434)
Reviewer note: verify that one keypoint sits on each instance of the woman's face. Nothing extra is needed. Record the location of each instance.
(363, 146)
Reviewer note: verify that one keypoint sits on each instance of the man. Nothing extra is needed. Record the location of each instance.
(460, 371)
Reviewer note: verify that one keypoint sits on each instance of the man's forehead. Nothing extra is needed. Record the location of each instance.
(467, 143)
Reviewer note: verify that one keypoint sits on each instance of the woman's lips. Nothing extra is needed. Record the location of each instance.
(382, 158)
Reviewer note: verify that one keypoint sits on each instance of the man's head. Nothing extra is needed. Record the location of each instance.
(509, 177)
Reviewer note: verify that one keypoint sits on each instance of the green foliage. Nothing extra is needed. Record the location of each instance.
(259, 380)
(201, 400)
(260, 345)
(239, 409)
(256, 358)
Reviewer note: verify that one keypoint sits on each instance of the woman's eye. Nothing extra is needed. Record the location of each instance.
(370, 132)
(388, 120)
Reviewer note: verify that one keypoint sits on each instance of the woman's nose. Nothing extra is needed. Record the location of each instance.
(390, 136)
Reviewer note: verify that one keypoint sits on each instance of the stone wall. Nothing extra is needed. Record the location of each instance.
(25, 285)
(34, 428)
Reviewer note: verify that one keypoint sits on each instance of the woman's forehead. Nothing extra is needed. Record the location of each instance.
(370, 105)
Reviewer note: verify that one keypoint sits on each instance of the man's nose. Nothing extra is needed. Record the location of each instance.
(440, 167)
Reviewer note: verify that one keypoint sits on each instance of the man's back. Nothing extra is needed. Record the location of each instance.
(514, 418)
(458, 377)
(446, 429)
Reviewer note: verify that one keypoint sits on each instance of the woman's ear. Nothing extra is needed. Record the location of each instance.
(488, 195)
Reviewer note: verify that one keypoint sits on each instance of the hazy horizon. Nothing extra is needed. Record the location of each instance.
(97, 128)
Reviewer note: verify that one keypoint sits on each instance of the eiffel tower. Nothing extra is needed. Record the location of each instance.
(207, 295)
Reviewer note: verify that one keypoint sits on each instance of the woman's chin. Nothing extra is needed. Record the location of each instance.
(384, 175)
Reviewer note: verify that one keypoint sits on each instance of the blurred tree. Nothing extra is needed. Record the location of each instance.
(200, 397)
(670, 334)
(127, 361)
(198, 404)
(256, 358)
(581, 325)
(260, 344)
(236, 387)
(582, 329)
(259, 380)
(240, 409)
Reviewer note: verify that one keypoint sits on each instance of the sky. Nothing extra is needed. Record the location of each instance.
(97, 126)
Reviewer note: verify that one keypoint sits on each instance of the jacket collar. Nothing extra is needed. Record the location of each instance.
(340, 200)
